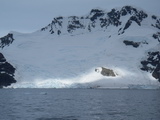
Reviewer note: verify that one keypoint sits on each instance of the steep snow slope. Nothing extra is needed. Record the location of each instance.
(66, 52)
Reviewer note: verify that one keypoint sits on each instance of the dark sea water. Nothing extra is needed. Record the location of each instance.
(79, 104)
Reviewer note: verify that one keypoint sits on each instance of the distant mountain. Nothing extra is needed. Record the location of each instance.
(97, 19)
(119, 48)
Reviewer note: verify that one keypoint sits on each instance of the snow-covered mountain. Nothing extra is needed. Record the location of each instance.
(118, 48)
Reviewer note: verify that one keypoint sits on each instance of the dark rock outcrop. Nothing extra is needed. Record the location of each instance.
(74, 23)
(106, 72)
(6, 72)
(134, 44)
(95, 14)
(157, 23)
(156, 36)
(152, 64)
(137, 16)
(114, 17)
(98, 19)
(6, 40)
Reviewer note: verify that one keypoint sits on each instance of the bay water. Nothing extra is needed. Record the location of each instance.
(79, 104)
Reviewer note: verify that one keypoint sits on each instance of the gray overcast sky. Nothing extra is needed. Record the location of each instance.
(31, 15)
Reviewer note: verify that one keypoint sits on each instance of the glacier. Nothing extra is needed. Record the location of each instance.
(55, 57)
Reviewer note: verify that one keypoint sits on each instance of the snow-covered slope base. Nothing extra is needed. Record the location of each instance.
(44, 60)
(62, 61)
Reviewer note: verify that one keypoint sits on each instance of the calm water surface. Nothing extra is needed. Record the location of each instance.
(79, 104)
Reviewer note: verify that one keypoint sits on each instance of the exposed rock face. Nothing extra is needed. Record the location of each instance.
(134, 44)
(137, 17)
(74, 24)
(106, 72)
(156, 36)
(98, 19)
(6, 40)
(6, 72)
(157, 24)
(152, 64)
(6, 69)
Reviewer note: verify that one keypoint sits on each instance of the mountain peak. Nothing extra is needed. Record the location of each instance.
(95, 13)
(97, 19)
